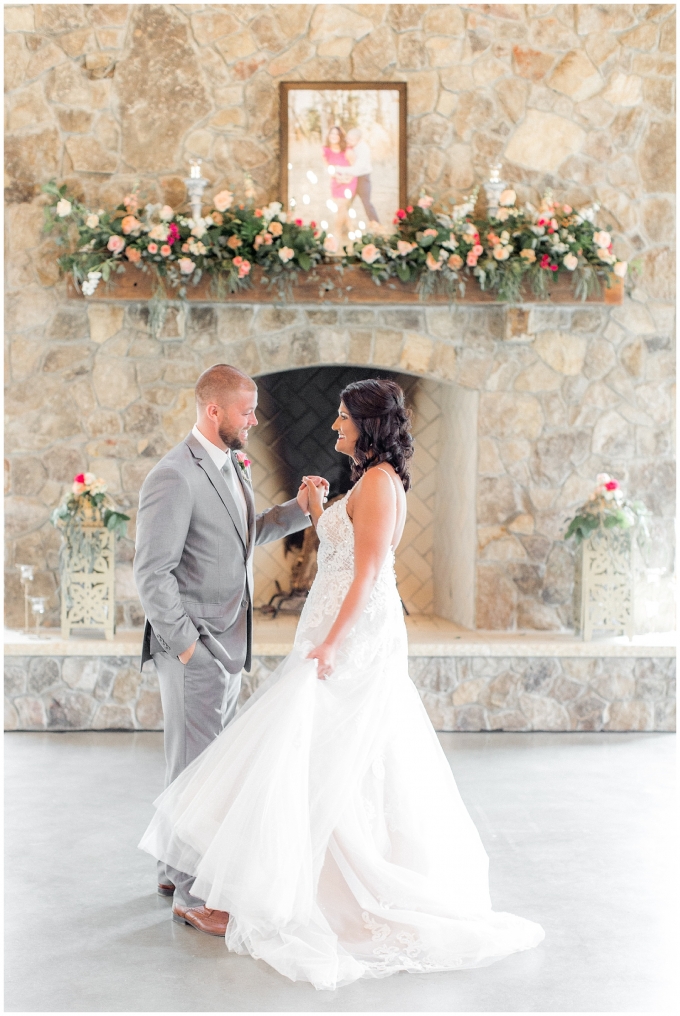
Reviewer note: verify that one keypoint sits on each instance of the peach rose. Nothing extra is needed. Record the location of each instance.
(508, 197)
(286, 253)
(330, 244)
(223, 200)
(431, 263)
(528, 254)
(130, 224)
(166, 250)
(370, 253)
(404, 247)
(152, 248)
(116, 244)
(186, 266)
(92, 221)
(234, 242)
(217, 218)
(275, 228)
(132, 254)
(425, 201)
(455, 262)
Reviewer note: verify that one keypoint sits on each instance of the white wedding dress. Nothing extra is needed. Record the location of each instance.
(325, 818)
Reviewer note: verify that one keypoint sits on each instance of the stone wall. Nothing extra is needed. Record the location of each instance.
(575, 97)
(468, 693)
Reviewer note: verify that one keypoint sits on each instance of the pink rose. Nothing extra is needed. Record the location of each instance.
(153, 248)
(186, 266)
(425, 201)
(471, 259)
(166, 250)
(130, 201)
(116, 244)
(330, 244)
(477, 250)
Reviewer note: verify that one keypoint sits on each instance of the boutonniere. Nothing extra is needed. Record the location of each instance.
(244, 464)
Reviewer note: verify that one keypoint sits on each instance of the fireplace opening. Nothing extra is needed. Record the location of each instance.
(296, 408)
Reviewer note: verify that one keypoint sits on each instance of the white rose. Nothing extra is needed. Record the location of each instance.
(602, 238)
(159, 233)
(605, 256)
(502, 214)
(286, 253)
(620, 269)
(508, 197)
(92, 221)
(166, 213)
(570, 261)
(63, 208)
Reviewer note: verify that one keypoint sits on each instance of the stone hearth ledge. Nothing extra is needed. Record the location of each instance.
(428, 636)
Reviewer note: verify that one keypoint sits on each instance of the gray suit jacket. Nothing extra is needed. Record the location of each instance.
(193, 561)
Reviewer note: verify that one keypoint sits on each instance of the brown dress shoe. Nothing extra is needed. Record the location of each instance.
(212, 922)
(166, 889)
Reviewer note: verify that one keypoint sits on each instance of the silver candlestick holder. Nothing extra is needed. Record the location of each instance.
(196, 184)
(27, 576)
(494, 187)
(38, 604)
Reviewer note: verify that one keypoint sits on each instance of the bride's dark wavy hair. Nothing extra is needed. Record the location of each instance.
(377, 408)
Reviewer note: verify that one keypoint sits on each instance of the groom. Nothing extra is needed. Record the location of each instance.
(196, 531)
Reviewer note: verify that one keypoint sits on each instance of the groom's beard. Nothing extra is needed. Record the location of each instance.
(231, 439)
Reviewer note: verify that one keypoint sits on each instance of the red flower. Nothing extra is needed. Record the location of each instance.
(409, 209)
(298, 222)
(545, 261)
(553, 268)
(313, 224)
(612, 485)
(173, 233)
(80, 478)
(401, 214)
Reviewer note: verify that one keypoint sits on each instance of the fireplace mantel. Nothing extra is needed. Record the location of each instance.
(327, 284)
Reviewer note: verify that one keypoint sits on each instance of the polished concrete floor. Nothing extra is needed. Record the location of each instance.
(579, 829)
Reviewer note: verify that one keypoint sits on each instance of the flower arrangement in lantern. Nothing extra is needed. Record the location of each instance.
(608, 508)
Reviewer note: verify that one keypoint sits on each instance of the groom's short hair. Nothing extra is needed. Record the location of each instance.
(219, 382)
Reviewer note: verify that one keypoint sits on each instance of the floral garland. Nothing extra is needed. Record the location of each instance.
(608, 508)
(502, 252)
(225, 243)
(434, 249)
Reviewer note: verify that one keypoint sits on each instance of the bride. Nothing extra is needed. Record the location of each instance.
(324, 820)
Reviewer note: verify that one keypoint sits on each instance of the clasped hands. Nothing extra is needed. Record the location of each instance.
(314, 488)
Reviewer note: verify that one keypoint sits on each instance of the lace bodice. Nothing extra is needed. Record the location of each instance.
(335, 562)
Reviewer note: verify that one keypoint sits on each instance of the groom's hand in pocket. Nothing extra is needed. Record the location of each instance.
(187, 654)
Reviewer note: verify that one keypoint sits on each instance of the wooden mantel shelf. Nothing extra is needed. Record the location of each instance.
(326, 284)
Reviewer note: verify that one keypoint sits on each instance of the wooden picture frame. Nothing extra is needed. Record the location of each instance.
(388, 127)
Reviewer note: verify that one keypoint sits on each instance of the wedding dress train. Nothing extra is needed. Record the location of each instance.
(325, 818)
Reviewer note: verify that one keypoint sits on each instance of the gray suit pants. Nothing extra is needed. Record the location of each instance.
(199, 699)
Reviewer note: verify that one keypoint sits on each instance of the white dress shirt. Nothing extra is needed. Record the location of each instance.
(362, 159)
(223, 458)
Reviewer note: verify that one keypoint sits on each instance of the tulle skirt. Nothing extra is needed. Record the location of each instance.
(326, 821)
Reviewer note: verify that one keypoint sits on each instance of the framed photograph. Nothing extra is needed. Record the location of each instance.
(343, 154)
